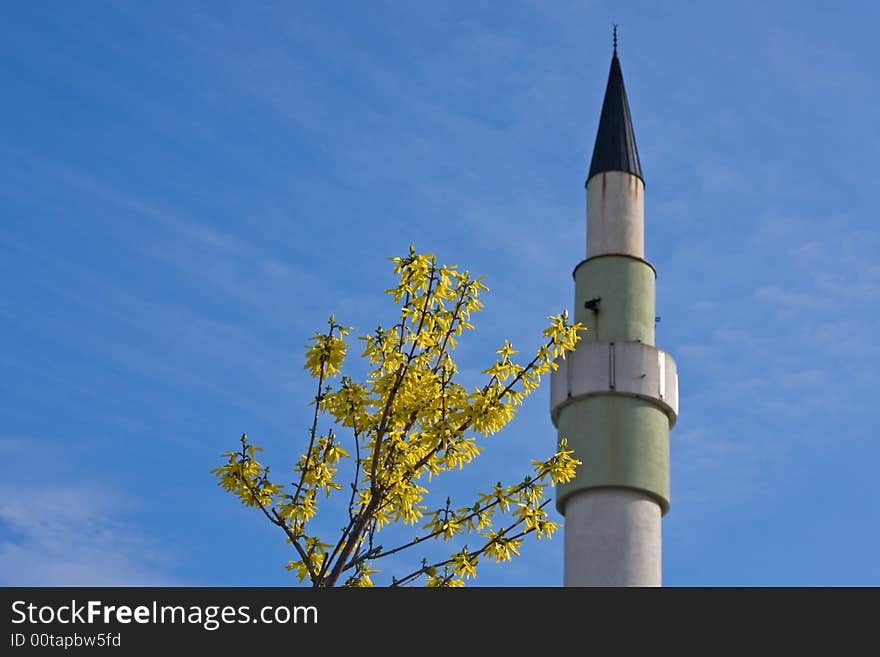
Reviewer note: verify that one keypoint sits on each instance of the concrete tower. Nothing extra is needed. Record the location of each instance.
(616, 397)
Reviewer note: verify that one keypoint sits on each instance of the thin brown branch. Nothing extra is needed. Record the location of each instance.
(421, 539)
(439, 564)
(276, 519)
(314, 429)
(451, 329)
(349, 540)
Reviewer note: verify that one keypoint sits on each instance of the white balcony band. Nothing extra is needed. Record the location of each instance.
(623, 368)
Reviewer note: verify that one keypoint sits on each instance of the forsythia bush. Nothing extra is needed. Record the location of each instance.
(408, 422)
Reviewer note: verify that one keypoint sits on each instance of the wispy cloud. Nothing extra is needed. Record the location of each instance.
(761, 373)
(74, 536)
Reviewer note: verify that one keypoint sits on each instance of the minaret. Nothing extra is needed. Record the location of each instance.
(616, 397)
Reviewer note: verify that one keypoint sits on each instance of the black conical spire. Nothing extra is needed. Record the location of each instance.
(615, 148)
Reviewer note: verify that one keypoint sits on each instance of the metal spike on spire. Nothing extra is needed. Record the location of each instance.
(615, 39)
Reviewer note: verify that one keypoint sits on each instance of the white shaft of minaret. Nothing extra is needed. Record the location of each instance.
(612, 538)
(615, 214)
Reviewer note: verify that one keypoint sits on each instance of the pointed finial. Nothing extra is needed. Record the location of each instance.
(615, 148)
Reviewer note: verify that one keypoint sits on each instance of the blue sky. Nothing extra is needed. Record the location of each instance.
(189, 189)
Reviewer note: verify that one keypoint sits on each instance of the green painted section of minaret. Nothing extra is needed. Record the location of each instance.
(622, 441)
(624, 287)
